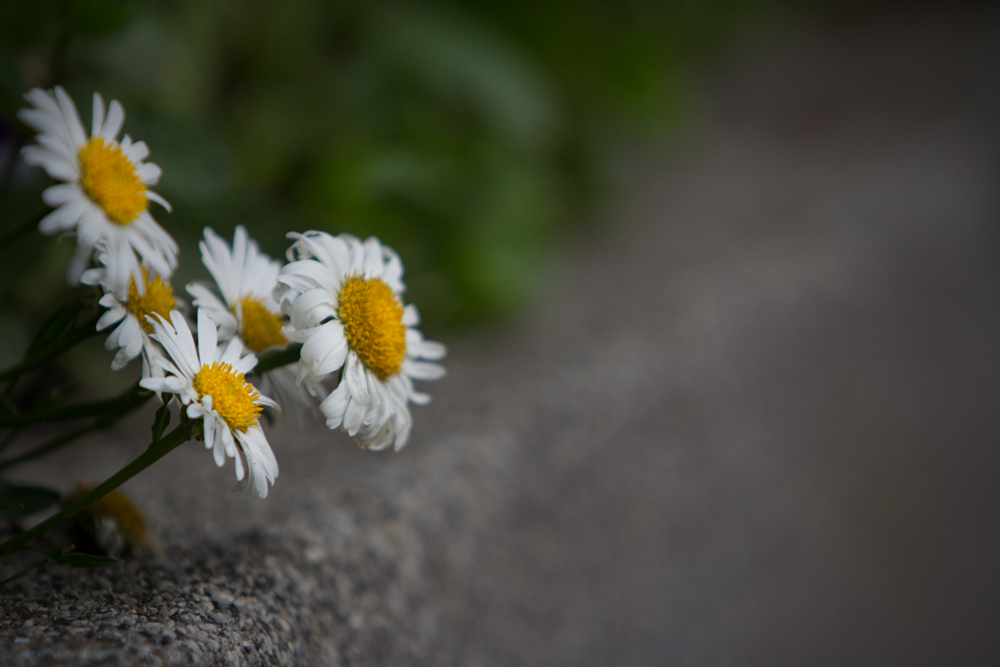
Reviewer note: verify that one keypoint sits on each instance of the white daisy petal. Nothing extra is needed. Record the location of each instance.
(354, 375)
(220, 452)
(98, 120)
(175, 384)
(419, 348)
(109, 317)
(325, 350)
(149, 173)
(209, 426)
(313, 307)
(372, 258)
(423, 370)
(63, 218)
(168, 366)
(269, 402)
(229, 441)
(207, 338)
(113, 123)
(353, 416)
(71, 117)
(152, 196)
(393, 270)
(334, 406)
(240, 469)
(246, 364)
(136, 151)
(233, 351)
(57, 195)
(305, 275)
(156, 384)
(411, 316)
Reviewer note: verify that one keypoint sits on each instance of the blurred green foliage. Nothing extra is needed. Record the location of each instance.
(463, 134)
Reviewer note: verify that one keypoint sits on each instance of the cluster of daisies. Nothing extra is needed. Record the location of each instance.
(338, 297)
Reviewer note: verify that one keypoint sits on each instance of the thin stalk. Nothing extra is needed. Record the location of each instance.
(271, 360)
(129, 400)
(22, 230)
(156, 450)
(50, 446)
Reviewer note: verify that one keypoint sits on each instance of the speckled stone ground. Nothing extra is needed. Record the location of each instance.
(755, 422)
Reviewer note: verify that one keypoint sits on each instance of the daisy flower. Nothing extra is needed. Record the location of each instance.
(212, 386)
(132, 335)
(246, 277)
(343, 299)
(104, 193)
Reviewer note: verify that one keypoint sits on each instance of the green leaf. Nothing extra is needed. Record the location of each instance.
(17, 501)
(160, 422)
(76, 559)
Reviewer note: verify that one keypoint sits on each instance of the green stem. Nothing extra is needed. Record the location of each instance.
(108, 408)
(22, 230)
(271, 360)
(54, 349)
(156, 450)
(50, 446)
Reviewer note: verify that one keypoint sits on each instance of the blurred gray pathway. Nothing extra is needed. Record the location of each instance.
(756, 422)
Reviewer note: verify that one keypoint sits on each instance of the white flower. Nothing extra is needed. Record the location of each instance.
(343, 299)
(131, 337)
(104, 195)
(212, 386)
(246, 277)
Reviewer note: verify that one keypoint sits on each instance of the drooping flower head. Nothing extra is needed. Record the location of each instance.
(132, 335)
(344, 301)
(104, 195)
(212, 386)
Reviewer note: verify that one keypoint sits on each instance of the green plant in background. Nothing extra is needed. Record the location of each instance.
(466, 134)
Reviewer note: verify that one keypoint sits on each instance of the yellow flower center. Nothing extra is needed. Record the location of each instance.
(373, 323)
(111, 181)
(260, 329)
(118, 506)
(232, 396)
(159, 298)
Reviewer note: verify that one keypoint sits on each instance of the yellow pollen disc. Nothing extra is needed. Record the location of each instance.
(118, 506)
(111, 181)
(159, 298)
(373, 323)
(260, 329)
(232, 396)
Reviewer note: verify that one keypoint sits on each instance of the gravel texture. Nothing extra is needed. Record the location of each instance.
(754, 422)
